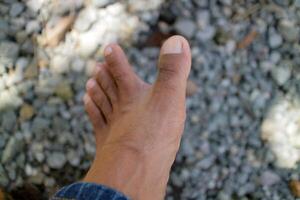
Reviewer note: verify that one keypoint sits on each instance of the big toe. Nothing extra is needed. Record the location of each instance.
(174, 66)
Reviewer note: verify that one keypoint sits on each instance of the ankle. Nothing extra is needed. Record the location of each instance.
(131, 171)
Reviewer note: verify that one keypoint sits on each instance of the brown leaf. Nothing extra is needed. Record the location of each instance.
(244, 43)
(54, 35)
(295, 188)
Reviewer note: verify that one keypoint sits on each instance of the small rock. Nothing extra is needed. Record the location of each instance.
(221, 37)
(16, 9)
(64, 91)
(21, 64)
(269, 178)
(283, 72)
(185, 27)
(289, 31)
(13, 146)
(49, 182)
(73, 158)
(31, 71)
(8, 53)
(101, 3)
(26, 112)
(85, 19)
(275, 40)
(39, 125)
(295, 188)
(33, 27)
(59, 64)
(297, 3)
(9, 119)
(191, 88)
(56, 160)
(37, 178)
(78, 65)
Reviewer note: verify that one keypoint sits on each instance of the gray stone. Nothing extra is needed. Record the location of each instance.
(297, 3)
(289, 30)
(282, 72)
(207, 162)
(8, 53)
(9, 119)
(13, 146)
(16, 9)
(21, 64)
(56, 160)
(39, 125)
(73, 158)
(275, 40)
(3, 177)
(185, 27)
(269, 178)
(33, 26)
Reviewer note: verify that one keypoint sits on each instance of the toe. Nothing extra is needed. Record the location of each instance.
(99, 97)
(106, 82)
(122, 73)
(94, 113)
(174, 66)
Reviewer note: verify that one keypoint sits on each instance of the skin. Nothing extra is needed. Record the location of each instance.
(138, 126)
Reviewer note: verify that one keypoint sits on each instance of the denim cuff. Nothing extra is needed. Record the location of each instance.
(88, 191)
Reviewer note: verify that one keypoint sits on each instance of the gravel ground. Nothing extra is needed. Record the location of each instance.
(242, 136)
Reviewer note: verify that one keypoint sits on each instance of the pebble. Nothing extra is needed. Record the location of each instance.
(101, 3)
(269, 178)
(56, 160)
(33, 26)
(282, 72)
(16, 9)
(39, 125)
(26, 112)
(60, 64)
(9, 119)
(8, 53)
(85, 19)
(275, 40)
(185, 27)
(64, 91)
(10, 149)
(289, 31)
(297, 3)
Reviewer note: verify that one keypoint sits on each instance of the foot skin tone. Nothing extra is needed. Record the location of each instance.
(138, 126)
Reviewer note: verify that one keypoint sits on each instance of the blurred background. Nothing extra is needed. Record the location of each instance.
(242, 135)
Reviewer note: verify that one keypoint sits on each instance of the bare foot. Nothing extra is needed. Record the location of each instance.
(138, 126)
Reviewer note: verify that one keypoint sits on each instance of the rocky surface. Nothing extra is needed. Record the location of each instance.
(242, 133)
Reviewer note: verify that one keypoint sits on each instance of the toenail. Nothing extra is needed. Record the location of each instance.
(107, 51)
(172, 46)
(91, 84)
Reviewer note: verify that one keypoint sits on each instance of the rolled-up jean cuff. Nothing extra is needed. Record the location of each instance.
(88, 191)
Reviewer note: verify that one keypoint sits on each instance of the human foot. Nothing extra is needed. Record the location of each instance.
(138, 126)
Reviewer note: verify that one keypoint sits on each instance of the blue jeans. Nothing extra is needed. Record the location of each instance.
(88, 191)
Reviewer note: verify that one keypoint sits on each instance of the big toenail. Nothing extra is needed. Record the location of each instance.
(107, 51)
(172, 46)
